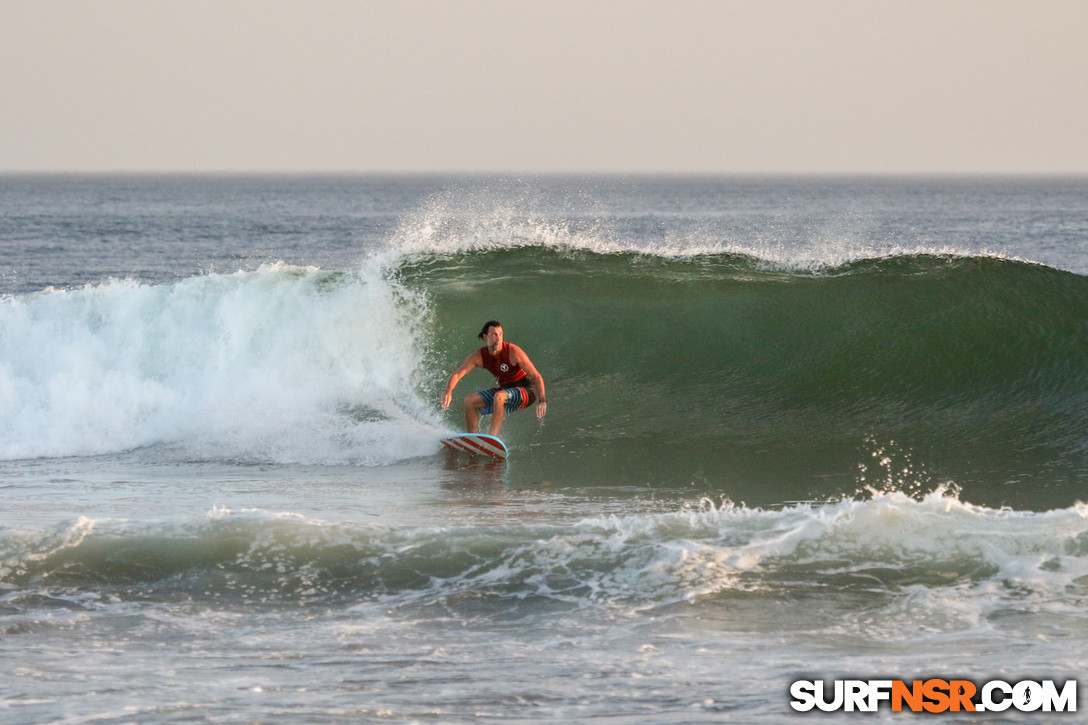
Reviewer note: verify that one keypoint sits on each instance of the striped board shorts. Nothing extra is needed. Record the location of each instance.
(516, 399)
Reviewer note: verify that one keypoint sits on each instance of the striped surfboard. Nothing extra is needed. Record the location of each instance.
(481, 445)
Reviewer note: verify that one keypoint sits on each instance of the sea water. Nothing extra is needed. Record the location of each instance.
(798, 429)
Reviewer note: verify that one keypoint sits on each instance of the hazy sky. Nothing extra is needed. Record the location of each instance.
(807, 86)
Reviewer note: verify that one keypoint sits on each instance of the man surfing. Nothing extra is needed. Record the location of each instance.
(519, 383)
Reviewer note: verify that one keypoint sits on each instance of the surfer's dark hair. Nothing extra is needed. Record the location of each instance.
(487, 326)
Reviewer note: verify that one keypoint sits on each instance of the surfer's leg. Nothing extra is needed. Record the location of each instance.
(498, 412)
(473, 404)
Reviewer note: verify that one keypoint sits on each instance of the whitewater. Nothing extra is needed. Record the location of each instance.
(797, 429)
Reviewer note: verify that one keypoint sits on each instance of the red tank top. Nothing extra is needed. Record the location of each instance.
(501, 367)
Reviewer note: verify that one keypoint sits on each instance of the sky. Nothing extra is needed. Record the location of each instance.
(548, 86)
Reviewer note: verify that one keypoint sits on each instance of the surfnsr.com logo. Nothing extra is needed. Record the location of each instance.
(934, 695)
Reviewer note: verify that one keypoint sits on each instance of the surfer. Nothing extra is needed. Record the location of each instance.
(519, 382)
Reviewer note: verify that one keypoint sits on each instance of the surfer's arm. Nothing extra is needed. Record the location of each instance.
(472, 361)
(535, 378)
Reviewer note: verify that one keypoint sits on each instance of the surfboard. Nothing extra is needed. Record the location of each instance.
(477, 443)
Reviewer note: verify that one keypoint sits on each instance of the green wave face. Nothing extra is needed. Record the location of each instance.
(767, 383)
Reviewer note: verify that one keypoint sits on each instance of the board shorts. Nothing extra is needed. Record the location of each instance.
(516, 399)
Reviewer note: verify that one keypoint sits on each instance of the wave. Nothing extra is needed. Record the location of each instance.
(747, 374)
(728, 365)
(931, 551)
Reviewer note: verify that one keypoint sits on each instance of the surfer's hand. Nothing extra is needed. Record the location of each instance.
(541, 409)
(446, 398)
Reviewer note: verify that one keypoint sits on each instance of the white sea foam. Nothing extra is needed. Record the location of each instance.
(283, 363)
(958, 563)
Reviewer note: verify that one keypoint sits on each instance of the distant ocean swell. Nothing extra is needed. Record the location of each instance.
(664, 370)
(972, 562)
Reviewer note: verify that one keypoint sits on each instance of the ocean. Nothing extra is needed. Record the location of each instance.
(798, 429)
